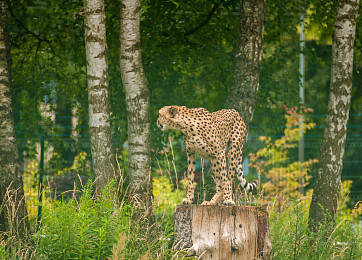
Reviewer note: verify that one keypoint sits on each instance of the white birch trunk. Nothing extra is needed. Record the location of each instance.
(137, 101)
(13, 213)
(328, 179)
(103, 156)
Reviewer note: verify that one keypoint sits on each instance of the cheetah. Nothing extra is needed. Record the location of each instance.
(211, 136)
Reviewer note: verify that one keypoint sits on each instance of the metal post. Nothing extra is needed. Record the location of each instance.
(301, 94)
(41, 171)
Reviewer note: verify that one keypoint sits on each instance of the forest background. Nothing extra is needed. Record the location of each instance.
(50, 83)
(185, 64)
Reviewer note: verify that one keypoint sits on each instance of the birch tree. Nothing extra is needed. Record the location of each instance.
(249, 50)
(103, 156)
(328, 178)
(13, 213)
(137, 101)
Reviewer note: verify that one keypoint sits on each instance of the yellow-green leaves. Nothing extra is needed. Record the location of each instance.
(285, 177)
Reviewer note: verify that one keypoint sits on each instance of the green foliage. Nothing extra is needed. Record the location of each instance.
(283, 176)
(168, 182)
(166, 197)
(81, 166)
(346, 212)
(84, 229)
(101, 227)
(146, 237)
(292, 239)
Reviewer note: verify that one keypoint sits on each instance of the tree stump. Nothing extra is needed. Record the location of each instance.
(223, 232)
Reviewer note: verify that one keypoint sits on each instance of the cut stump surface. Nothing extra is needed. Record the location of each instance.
(223, 232)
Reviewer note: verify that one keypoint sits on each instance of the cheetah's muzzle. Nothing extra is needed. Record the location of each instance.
(159, 125)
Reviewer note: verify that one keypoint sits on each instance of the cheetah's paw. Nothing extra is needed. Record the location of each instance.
(229, 203)
(186, 201)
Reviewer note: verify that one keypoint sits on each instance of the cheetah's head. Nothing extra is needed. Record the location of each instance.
(169, 117)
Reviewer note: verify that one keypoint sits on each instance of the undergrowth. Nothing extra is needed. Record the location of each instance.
(110, 227)
(292, 239)
(102, 227)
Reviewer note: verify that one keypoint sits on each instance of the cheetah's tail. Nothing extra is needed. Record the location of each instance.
(248, 186)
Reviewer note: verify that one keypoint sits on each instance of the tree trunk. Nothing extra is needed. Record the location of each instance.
(137, 101)
(222, 232)
(13, 212)
(249, 51)
(328, 178)
(103, 155)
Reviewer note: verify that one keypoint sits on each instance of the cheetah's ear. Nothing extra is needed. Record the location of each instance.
(172, 111)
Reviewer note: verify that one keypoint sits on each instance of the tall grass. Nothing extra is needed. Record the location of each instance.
(101, 228)
(292, 239)
(86, 227)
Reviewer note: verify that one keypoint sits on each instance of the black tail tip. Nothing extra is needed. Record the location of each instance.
(252, 185)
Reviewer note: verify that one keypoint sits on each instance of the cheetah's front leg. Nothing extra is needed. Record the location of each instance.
(191, 167)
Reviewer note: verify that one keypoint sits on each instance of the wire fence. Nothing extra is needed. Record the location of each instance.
(77, 142)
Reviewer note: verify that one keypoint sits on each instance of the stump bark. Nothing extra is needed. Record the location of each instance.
(223, 232)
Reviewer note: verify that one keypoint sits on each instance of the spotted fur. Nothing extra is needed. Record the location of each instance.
(211, 136)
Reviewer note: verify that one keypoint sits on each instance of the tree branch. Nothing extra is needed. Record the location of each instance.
(40, 39)
(202, 24)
